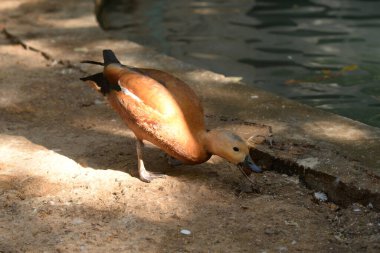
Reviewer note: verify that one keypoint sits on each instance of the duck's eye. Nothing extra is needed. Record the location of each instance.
(236, 149)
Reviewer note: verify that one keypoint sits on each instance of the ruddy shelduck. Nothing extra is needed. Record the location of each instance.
(165, 111)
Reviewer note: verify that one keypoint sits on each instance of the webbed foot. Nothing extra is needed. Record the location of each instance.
(148, 176)
(145, 176)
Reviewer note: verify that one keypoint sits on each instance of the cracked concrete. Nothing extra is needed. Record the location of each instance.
(13, 39)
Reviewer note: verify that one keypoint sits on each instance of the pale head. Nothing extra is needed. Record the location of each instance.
(230, 147)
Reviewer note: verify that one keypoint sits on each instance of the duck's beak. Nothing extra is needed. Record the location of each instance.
(248, 166)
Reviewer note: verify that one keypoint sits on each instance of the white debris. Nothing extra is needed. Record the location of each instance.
(320, 196)
(336, 181)
(67, 71)
(77, 221)
(291, 223)
(185, 232)
(254, 96)
(99, 102)
(309, 162)
(53, 63)
(81, 49)
(339, 237)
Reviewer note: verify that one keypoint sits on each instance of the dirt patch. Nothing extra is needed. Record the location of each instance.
(66, 182)
(51, 201)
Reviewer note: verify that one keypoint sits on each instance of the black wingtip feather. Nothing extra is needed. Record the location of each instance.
(109, 57)
(93, 62)
(100, 81)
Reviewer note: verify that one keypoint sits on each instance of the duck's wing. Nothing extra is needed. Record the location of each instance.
(147, 92)
(150, 110)
(161, 109)
(184, 96)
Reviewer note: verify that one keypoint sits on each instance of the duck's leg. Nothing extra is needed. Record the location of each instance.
(145, 176)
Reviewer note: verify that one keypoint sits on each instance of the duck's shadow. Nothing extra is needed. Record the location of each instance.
(70, 120)
(96, 148)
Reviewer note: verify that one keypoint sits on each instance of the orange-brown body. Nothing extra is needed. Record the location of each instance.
(161, 109)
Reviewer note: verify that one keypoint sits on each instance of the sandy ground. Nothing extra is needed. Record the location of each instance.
(67, 183)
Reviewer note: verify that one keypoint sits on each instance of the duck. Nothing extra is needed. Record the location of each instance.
(163, 110)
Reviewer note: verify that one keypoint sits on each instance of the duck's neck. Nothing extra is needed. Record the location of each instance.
(210, 141)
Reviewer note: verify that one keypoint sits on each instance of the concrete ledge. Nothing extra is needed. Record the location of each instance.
(341, 192)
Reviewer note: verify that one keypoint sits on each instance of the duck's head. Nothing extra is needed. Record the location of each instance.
(232, 148)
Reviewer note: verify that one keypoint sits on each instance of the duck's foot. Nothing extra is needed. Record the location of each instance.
(148, 176)
(145, 176)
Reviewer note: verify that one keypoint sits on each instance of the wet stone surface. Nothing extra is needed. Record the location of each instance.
(315, 52)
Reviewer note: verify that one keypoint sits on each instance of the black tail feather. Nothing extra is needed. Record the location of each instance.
(97, 78)
(100, 81)
(93, 62)
(109, 57)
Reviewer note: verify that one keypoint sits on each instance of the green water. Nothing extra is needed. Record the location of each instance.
(322, 53)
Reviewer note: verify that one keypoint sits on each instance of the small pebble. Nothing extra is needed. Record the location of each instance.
(333, 207)
(269, 231)
(185, 232)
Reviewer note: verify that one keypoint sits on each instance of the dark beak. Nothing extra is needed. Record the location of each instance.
(248, 166)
